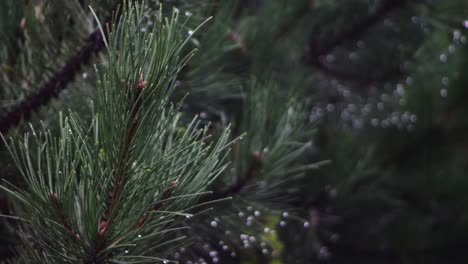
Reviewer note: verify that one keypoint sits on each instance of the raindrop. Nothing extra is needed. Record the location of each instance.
(380, 106)
(456, 35)
(353, 56)
(266, 230)
(176, 10)
(452, 49)
(324, 253)
(306, 224)
(257, 213)
(443, 57)
(334, 237)
(443, 92)
(241, 214)
(215, 260)
(214, 224)
(400, 89)
(361, 44)
(190, 32)
(126, 251)
(225, 248)
(285, 215)
(252, 239)
(213, 254)
(85, 75)
(465, 23)
(282, 223)
(445, 80)
(187, 13)
(265, 251)
(233, 254)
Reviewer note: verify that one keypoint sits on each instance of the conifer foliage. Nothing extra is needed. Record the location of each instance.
(112, 189)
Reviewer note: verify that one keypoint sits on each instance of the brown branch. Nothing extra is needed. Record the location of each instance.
(121, 165)
(358, 29)
(252, 171)
(333, 72)
(63, 217)
(301, 12)
(58, 82)
(317, 51)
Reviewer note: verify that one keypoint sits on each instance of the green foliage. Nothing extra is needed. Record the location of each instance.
(112, 190)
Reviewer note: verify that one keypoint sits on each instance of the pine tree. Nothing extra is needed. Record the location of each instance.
(121, 186)
(163, 154)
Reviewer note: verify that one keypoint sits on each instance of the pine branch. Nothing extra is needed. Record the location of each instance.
(54, 85)
(358, 29)
(58, 82)
(317, 53)
(301, 12)
(330, 70)
(250, 174)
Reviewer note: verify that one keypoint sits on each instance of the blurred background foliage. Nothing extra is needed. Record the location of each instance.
(378, 87)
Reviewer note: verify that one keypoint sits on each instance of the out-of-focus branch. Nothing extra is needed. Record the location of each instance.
(54, 85)
(252, 171)
(317, 50)
(358, 29)
(59, 80)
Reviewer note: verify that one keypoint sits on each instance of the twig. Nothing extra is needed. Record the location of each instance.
(358, 29)
(252, 171)
(54, 85)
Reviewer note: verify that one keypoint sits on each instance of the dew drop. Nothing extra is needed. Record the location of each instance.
(443, 92)
(443, 57)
